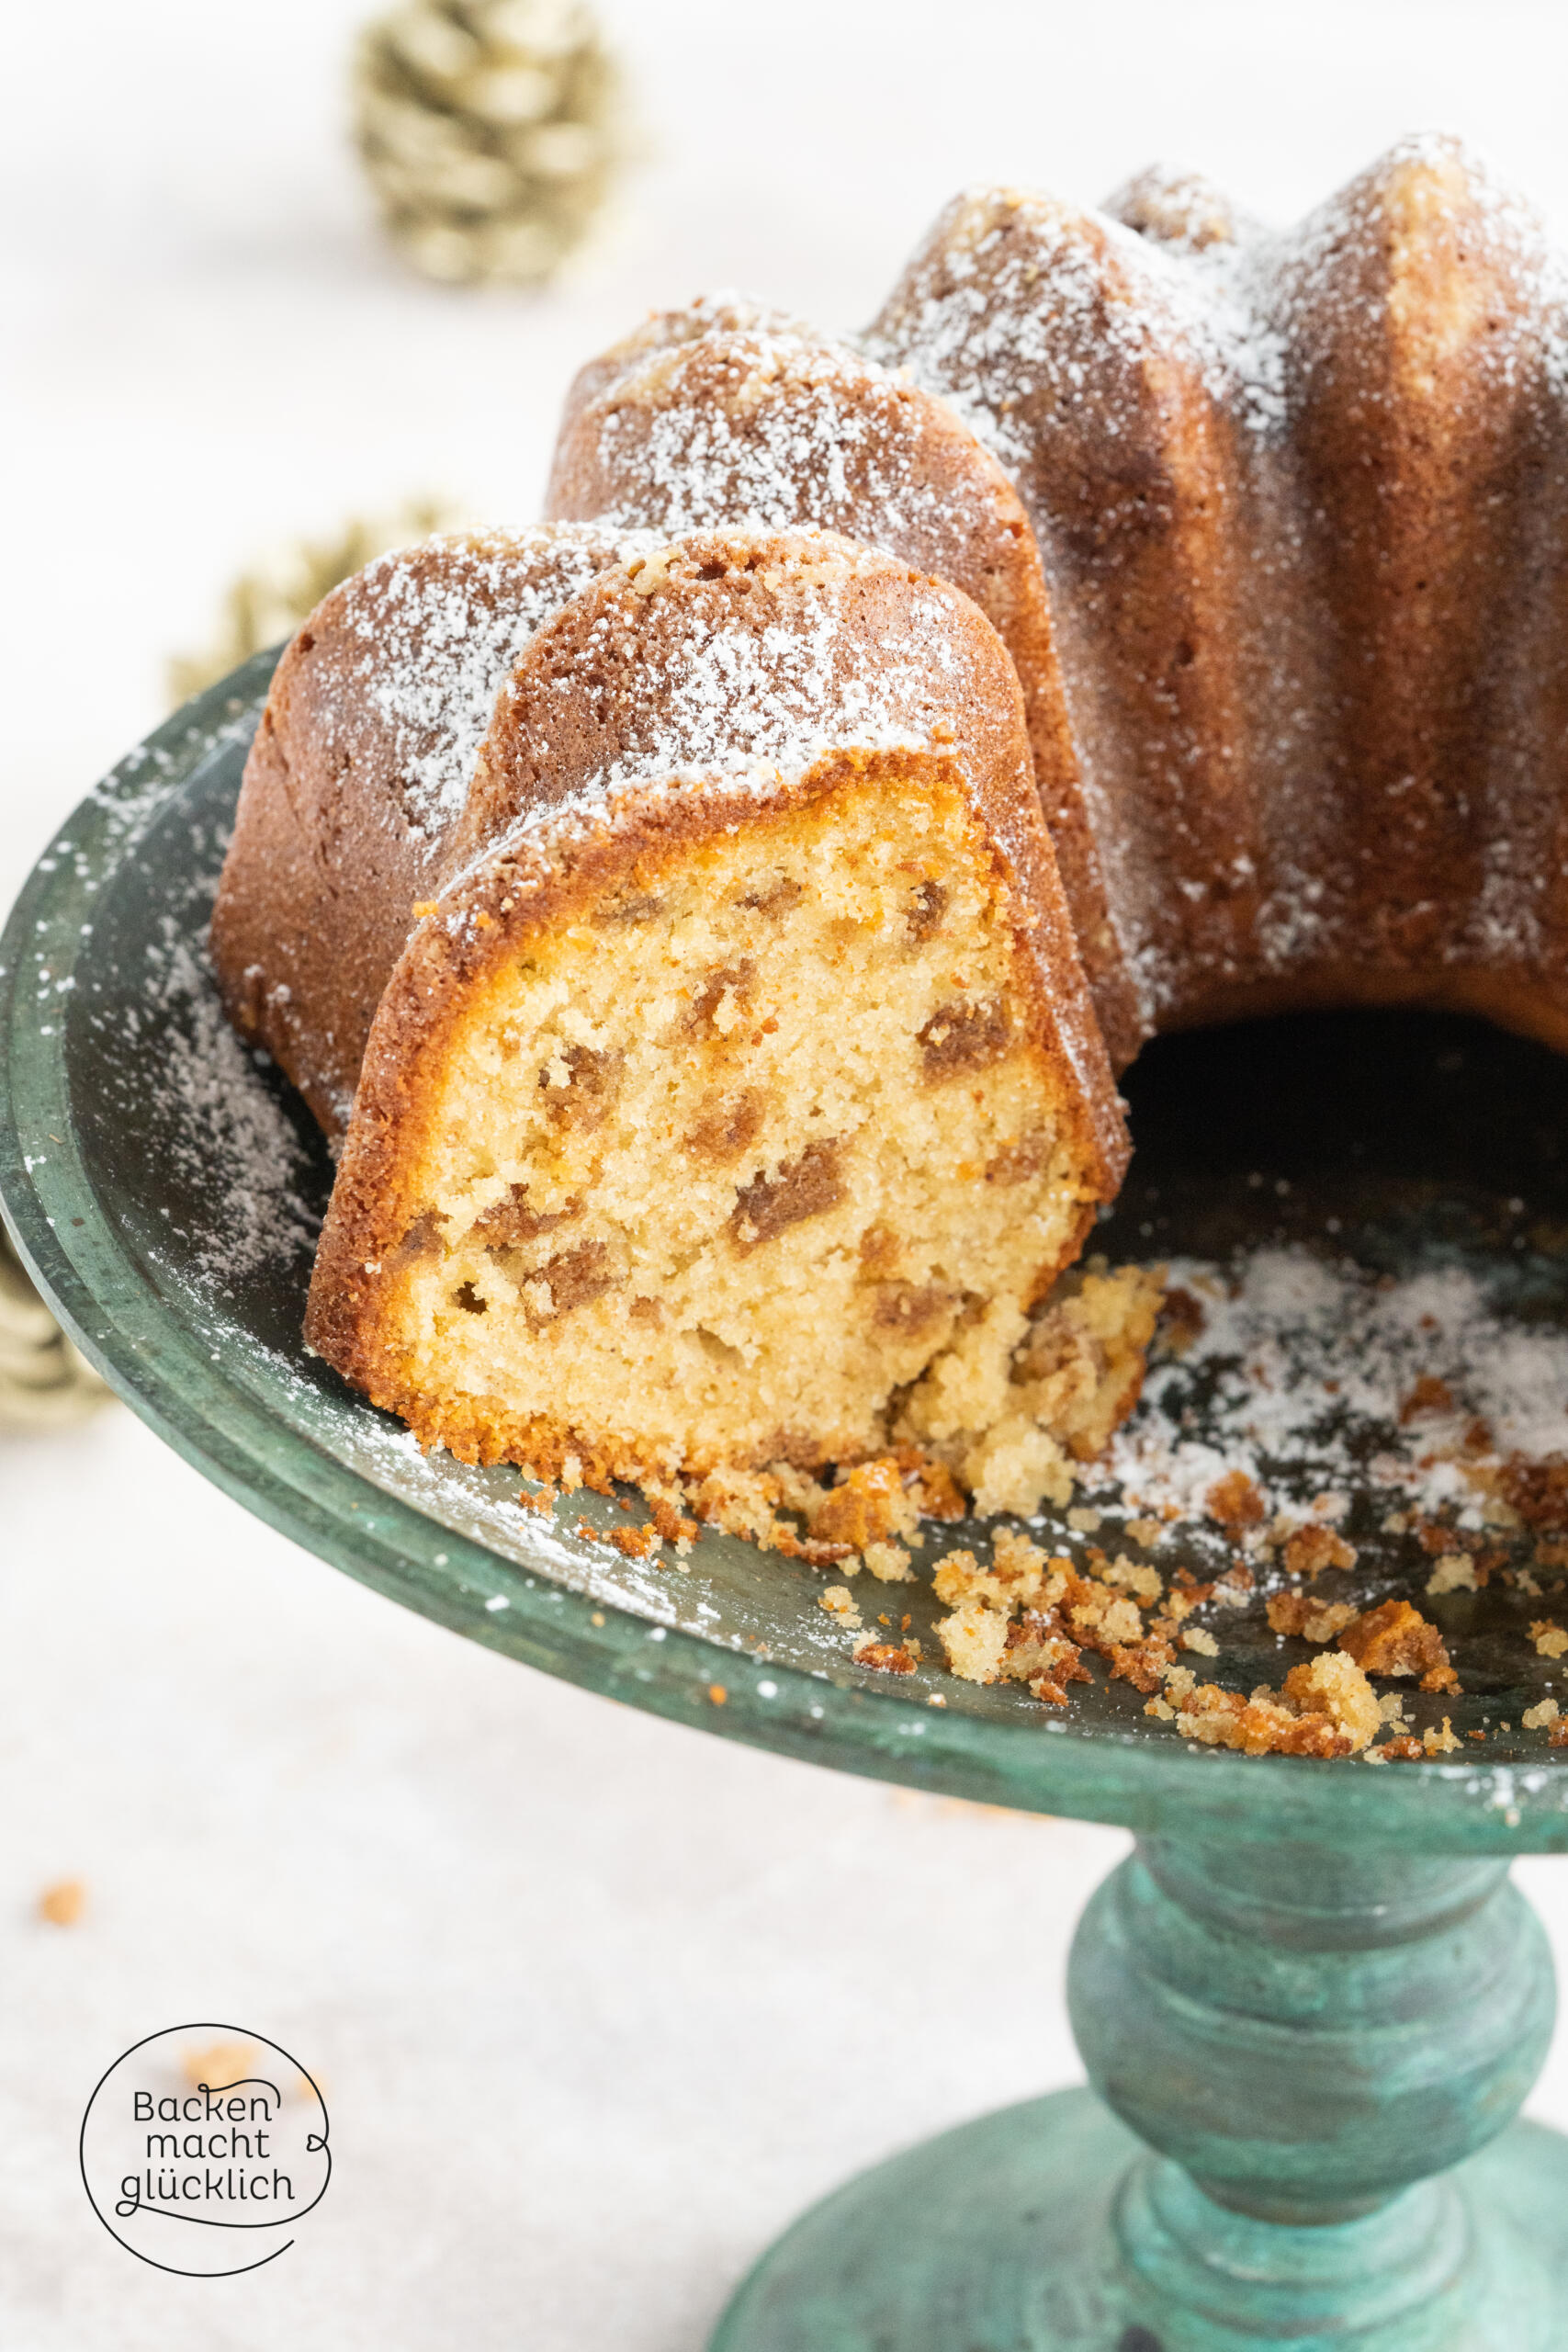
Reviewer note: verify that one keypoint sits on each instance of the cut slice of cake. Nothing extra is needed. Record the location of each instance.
(745, 1067)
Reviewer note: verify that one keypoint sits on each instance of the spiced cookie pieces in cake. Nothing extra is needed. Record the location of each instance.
(722, 413)
(748, 1066)
(359, 769)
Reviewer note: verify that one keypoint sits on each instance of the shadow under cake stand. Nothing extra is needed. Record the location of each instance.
(1309, 2004)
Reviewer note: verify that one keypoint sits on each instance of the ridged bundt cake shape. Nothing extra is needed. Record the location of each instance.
(1302, 503)
(741, 1091)
(1298, 696)
(720, 314)
(359, 771)
(724, 413)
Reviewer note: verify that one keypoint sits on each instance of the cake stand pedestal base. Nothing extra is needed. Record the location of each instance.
(1307, 2062)
(1047, 2227)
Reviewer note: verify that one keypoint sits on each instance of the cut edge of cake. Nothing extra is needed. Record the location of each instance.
(712, 1138)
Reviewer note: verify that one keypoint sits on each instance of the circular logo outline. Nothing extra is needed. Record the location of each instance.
(323, 2140)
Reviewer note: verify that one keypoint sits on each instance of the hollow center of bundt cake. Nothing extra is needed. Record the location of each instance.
(726, 1161)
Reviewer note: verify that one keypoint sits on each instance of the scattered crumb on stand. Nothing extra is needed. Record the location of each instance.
(1319, 1383)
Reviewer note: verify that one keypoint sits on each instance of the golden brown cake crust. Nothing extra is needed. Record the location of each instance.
(635, 770)
(704, 420)
(358, 771)
(1056, 334)
(1300, 502)
(718, 313)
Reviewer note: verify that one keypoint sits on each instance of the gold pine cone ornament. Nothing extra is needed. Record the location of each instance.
(44, 1383)
(493, 132)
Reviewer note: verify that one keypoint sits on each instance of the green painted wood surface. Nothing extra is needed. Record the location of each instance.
(1306, 2031)
(1041, 2229)
(1311, 1987)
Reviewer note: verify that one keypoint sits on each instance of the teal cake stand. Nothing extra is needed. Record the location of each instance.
(1309, 2004)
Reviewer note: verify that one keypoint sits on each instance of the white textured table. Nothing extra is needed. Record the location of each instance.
(598, 2004)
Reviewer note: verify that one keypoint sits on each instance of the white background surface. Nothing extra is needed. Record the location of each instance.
(598, 2004)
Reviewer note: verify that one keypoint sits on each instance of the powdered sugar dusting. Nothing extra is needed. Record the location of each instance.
(1019, 306)
(441, 637)
(1186, 365)
(770, 430)
(1301, 275)
(769, 704)
(1301, 1375)
(223, 1130)
(720, 697)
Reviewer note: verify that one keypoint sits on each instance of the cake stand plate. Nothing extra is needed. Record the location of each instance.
(1302, 2039)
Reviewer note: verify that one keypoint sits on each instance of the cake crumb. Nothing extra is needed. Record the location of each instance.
(1428, 1396)
(1194, 1638)
(1015, 1403)
(867, 1505)
(1310, 1620)
(1183, 1320)
(886, 1658)
(888, 1563)
(1235, 1501)
(1336, 1684)
(1550, 1641)
(1395, 1640)
(840, 1602)
(1455, 1572)
(63, 1902)
(1326, 1708)
(1134, 1576)
(636, 1542)
(1312, 1549)
(975, 1639)
(1537, 1490)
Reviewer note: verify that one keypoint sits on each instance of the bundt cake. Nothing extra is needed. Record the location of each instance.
(733, 1092)
(738, 1092)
